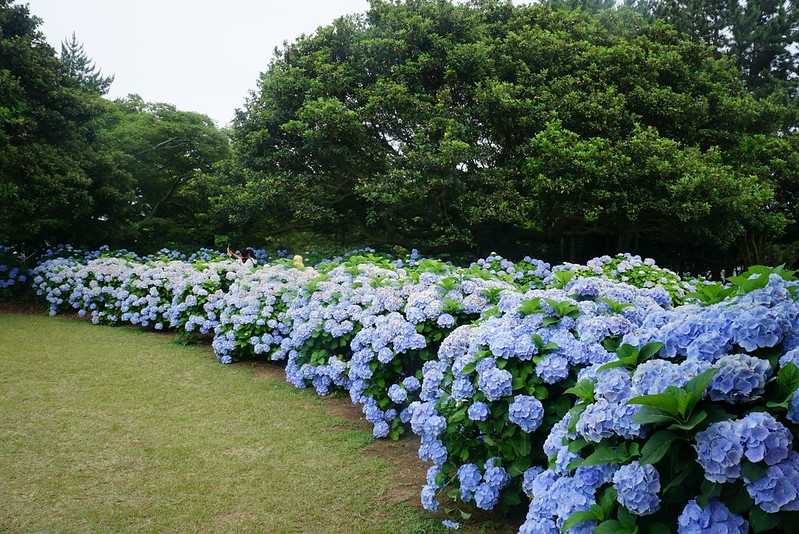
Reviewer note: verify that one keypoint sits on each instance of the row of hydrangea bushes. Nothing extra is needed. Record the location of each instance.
(615, 396)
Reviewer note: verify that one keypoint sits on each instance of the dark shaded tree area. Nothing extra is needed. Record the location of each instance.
(77, 168)
(466, 128)
(760, 35)
(44, 135)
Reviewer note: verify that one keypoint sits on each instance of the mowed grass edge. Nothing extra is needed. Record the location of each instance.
(114, 429)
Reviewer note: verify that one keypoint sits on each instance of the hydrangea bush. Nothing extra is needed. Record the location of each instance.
(53, 281)
(14, 272)
(630, 269)
(253, 320)
(199, 296)
(705, 433)
(500, 384)
(607, 397)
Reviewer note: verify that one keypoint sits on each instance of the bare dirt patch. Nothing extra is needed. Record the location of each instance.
(266, 370)
(342, 408)
(22, 308)
(410, 470)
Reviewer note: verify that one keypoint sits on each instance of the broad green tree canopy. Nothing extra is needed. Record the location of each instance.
(499, 127)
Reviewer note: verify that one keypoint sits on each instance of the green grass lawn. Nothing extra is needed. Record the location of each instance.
(113, 429)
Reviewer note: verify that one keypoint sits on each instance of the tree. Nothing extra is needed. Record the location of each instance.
(75, 167)
(762, 35)
(169, 154)
(45, 129)
(488, 126)
(78, 66)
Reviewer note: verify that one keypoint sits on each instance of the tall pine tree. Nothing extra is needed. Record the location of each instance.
(762, 35)
(78, 66)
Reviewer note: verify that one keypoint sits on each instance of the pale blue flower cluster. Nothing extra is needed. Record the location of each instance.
(495, 383)
(666, 285)
(778, 489)
(739, 378)
(715, 517)
(757, 437)
(482, 487)
(556, 497)
(637, 488)
(529, 272)
(527, 412)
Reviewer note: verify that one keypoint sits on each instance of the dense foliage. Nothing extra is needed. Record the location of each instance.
(487, 126)
(45, 131)
(165, 155)
(615, 395)
(760, 35)
(76, 167)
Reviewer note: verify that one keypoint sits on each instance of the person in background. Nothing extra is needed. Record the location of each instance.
(247, 256)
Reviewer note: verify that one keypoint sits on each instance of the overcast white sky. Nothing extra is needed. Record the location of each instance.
(201, 55)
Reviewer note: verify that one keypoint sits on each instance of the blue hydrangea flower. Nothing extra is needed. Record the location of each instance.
(495, 475)
(486, 496)
(528, 479)
(591, 477)
(708, 346)
(764, 439)
(484, 365)
(428, 497)
(527, 412)
(720, 451)
(654, 376)
(437, 453)
(637, 488)
(757, 327)
(538, 525)
(478, 411)
(462, 388)
(432, 474)
(553, 369)
(715, 517)
(613, 385)
(445, 320)
(739, 378)
(564, 459)
(411, 383)
(496, 383)
(450, 524)
(380, 429)
(469, 477)
(434, 426)
(597, 421)
(792, 356)
(542, 482)
(793, 408)
(557, 434)
(397, 394)
(624, 423)
(778, 490)
(568, 496)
